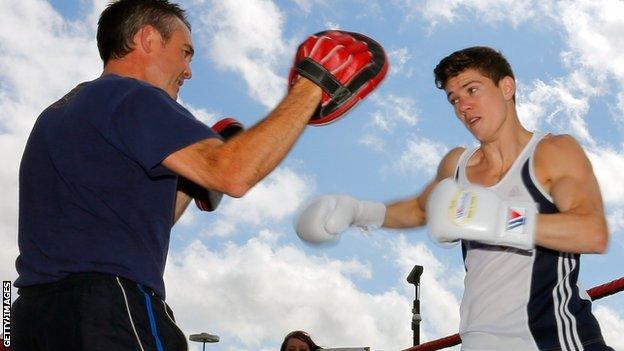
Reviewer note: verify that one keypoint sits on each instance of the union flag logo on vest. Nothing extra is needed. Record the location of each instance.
(515, 219)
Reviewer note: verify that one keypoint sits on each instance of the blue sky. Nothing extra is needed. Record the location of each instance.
(241, 272)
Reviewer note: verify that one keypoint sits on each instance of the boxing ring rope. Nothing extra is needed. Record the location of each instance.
(595, 293)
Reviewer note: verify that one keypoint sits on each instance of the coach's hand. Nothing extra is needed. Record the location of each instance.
(346, 65)
(477, 213)
(329, 215)
(206, 199)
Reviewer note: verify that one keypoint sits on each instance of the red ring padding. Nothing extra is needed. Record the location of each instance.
(595, 293)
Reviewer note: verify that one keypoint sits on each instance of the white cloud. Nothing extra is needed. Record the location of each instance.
(91, 18)
(269, 236)
(253, 294)
(39, 63)
(595, 45)
(558, 105)
(371, 141)
(304, 5)
(438, 282)
(594, 37)
(203, 115)
(332, 25)
(393, 111)
(615, 219)
(271, 200)
(608, 165)
(513, 12)
(611, 325)
(398, 62)
(619, 116)
(421, 154)
(246, 37)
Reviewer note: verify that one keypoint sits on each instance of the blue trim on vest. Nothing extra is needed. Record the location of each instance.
(541, 308)
(463, 242)
(464, 252)
(152, 320)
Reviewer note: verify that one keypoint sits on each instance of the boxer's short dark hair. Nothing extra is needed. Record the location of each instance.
(122, 19)
(487, 61)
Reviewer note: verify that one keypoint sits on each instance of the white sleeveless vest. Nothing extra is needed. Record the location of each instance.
(523, 300)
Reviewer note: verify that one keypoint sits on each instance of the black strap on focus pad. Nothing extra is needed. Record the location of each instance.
(323, 78)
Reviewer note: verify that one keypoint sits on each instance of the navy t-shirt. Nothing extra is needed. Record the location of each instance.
(94, 196)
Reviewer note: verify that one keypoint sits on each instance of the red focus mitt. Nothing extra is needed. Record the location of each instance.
(206, 199)
(346, 65)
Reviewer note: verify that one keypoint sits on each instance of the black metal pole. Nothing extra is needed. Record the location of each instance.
(414, 278)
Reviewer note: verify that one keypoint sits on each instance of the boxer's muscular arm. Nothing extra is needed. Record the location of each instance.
(580, 225)
(410, 213)
(234, 167)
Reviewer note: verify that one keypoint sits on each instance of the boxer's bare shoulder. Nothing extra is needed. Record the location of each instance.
(558, 156)
(448, 164)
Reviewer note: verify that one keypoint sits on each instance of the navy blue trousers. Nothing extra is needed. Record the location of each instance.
(93, 311)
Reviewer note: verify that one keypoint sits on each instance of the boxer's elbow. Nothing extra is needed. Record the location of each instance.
(599, 236)
(600, 245)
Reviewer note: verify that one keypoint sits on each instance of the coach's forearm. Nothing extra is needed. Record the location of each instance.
(248, 157)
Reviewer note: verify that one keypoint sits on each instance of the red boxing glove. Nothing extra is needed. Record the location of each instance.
(346, 65)
(206, 199)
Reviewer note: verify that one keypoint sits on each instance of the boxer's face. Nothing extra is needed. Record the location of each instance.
(296, 345)
(170, 64)
(480, 105)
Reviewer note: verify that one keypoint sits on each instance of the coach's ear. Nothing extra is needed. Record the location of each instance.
(508, 86)
(145, 39)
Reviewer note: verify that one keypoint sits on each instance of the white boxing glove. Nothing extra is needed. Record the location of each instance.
(327, 216)
(477, 213)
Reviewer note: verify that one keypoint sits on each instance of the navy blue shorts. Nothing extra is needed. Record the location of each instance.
(93, 311)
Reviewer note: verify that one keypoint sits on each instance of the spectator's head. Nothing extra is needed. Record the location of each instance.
(299, 341)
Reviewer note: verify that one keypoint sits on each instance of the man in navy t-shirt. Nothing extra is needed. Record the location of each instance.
(99, 186)
(94, 195)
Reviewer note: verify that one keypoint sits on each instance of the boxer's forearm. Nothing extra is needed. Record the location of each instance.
(410, 213)
(572, 232)
(404, 214)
